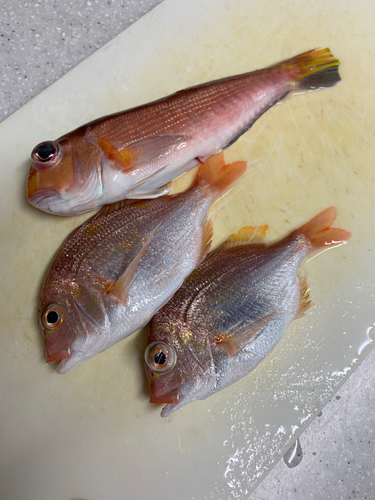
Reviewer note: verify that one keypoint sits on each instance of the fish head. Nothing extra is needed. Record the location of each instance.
(74, 324)
(179, 365)
(65, 175)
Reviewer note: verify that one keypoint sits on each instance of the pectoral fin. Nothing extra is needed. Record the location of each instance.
(142, 152)
(241, 335)
(121, 288)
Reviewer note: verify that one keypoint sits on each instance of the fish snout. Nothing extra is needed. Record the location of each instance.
(171, 397)
(41, 197)
(57, 346)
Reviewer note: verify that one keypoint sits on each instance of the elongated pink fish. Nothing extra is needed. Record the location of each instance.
(135, 153)
(231, 312)
(116, 270)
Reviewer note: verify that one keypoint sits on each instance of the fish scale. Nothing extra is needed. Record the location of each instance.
(135, 153)
(235, 308)
(116, 270)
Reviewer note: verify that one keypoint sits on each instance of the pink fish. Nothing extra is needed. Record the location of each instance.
(135, 153)
(231, 312)
(117, 269)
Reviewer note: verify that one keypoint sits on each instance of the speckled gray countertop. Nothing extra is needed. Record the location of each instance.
(40, 42)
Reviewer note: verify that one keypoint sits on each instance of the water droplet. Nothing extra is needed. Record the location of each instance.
(294, 455)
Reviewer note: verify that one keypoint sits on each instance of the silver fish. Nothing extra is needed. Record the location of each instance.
(116, 270)
(231, 312)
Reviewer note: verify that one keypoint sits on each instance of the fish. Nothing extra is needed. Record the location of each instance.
(135, 154)
(117, 269)
(231, 311)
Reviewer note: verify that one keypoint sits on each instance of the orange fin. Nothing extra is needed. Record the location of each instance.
(237, 339)
(106, 146)
(143, 152)
(207, 239)
(314, 69)
(246, 236)
(121, 288)
(319, 230)
(218, 174)
(305, 303)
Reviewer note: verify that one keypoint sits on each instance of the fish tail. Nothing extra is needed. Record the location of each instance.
(314, 69)
(218, 174)
(321, 234)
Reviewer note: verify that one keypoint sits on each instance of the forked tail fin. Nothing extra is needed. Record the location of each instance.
(218, 174)
(314, 69)
(320, 233)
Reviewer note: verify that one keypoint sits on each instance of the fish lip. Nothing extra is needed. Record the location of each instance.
(63, 353)
(40, 198)
(171, 397)
(170, 408)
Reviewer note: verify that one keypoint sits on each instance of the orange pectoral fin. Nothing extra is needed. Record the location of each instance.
(121, 288)
(235, 340)
(123, 158)
(143, 152)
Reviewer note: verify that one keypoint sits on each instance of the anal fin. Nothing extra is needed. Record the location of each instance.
(305, 302)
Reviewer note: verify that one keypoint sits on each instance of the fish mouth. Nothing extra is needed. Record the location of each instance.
(42, 197)
(171, 397)
(63, 353)
(170, 408)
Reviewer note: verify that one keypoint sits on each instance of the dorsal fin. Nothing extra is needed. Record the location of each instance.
(108, 209)
(246, 236)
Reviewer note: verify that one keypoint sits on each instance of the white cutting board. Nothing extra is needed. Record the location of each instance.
(91, 434)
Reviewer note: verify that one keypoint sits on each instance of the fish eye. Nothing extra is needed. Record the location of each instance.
(46, 155)
(160, 357)
(52, 316)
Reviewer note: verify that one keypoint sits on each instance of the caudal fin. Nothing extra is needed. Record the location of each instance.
(315, 69)
(321, 234)
(218, 174)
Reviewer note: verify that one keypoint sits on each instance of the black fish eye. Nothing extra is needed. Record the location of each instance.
(160, 358)
(46, 155)
(46, 151)
(52, 317)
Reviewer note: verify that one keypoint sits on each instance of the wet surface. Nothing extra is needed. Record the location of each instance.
(91, 432)
(294, 455)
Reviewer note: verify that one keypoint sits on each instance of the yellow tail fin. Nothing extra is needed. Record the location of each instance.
(314, 69)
